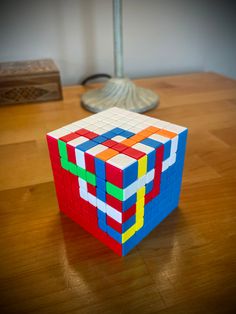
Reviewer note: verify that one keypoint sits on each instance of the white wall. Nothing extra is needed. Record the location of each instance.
(160, 36)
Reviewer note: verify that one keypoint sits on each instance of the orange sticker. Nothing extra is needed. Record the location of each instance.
(166, 133)
(107, 154)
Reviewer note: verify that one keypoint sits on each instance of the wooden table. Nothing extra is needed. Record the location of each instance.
(48, 264)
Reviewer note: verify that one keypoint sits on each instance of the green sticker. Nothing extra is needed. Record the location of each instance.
(115, 191)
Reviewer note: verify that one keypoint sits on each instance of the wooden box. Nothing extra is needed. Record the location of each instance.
(29, 81)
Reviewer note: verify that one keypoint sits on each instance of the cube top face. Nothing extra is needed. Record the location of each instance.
(116, 160)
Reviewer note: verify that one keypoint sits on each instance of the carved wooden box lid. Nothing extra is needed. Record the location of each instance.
(21, 68)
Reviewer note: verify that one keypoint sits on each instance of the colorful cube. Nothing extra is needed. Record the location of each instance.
(118, 174)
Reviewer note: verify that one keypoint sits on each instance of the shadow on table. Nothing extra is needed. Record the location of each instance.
(92, 268)
(81, 244)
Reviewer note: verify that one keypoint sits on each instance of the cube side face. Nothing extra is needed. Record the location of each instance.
(118, 174)
(161, 205)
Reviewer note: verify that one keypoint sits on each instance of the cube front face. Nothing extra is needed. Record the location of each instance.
(118, 174)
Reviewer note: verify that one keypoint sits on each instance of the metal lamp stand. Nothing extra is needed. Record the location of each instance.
(119, 91)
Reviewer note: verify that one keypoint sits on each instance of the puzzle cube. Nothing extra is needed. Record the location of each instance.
(118, 174)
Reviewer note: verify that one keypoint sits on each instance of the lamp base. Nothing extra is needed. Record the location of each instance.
(122, 93)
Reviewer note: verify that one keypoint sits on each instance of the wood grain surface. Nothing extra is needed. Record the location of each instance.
(48, 264)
